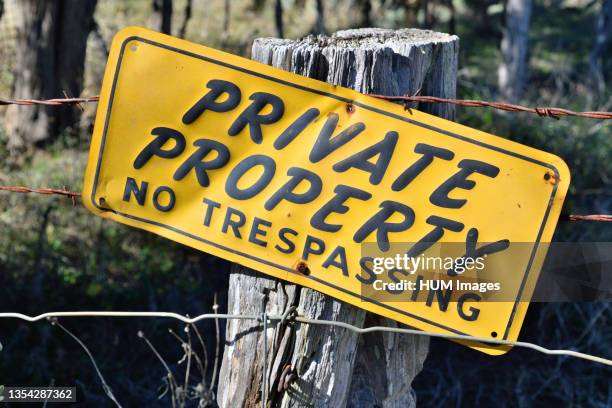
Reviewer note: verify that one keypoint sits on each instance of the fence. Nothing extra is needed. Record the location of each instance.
(290, 315)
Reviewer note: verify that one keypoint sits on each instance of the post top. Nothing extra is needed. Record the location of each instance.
(367, 38)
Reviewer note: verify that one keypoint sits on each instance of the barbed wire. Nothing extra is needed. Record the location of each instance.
(591, 217)
(43, 190)
(75, 194)
(304, 320)
(49, 102)
(544, 111)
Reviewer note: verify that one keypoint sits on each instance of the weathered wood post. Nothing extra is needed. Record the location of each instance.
(335, 367)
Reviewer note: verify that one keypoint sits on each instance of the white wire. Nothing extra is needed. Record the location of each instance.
(190, 320)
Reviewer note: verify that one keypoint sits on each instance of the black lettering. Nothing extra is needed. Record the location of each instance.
(378, 222)
(474, 312)
(459, 180)
(140, 193)
(363, 262)
(417, 288)
(472, 252)
(234, 224)
(396, 279)
(443, 297)
(296, 128)
(286, 192)
(336, 205)
(313, 246)
(231, 184)
(171, 199)
(209, 101)
(383, 149)
(205, 146)
(429, 153)
(326, 145)
(251, 115)
(155, 147)
(256, 231)
(282, 234)
(441, 224)
(338, 252)
(210, 206)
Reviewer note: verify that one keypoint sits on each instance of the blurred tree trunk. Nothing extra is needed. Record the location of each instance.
(1, 8)
(278, 18)
(258, 4)
(186, 18)
(603, 36)
(427, 13)
(512, 73)
(320, 24)
(482, 20)
(452, 21)
(410, 9)
(364, 7)
(161, 17)
(51, 40)
(226, 22)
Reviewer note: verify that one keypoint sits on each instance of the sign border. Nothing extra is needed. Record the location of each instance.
(345, 100)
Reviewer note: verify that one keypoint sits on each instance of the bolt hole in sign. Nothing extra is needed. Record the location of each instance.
(323, 186)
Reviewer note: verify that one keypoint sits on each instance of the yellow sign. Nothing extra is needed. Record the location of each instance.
(304, 181)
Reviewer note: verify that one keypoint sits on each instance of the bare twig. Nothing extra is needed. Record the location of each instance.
(107, 390)
(172, 384)
(204, 351)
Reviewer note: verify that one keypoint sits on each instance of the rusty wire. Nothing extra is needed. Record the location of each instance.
(49, 102)
(544, 111)
(75, 194)
(591, 217)
(44, 190)
(541, 111)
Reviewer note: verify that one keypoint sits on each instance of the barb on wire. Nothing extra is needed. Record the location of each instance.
(44, 190)
(277, 318)
(75, 194)
(49, 102)
(591, 217)
(545, 111)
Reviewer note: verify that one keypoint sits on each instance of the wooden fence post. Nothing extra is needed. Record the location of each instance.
(335, 367)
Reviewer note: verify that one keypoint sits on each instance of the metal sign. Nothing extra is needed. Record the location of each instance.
(310, 183)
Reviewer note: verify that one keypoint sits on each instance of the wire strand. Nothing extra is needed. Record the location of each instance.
(75, 194)
(544, 111)
(49, 102)
(276, 318)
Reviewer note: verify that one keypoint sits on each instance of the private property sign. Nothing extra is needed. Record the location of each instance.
(321, 186)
